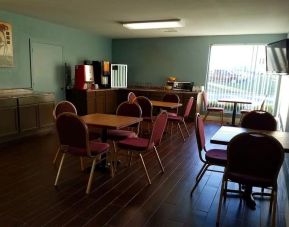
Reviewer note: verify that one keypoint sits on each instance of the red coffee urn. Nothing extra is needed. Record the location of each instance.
(83, 76)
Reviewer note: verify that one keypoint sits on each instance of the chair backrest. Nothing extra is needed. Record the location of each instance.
(72, 132)
(62, 107)
(188, 107)
(146, 106)
(205, 99)
(262, 106)
(131, 110)
(131, 97)
(158, 129)
(256, 157)
(259, 119)
(200, 132)
(171, 97)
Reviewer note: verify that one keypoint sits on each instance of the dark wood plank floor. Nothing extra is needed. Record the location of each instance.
(28, 197)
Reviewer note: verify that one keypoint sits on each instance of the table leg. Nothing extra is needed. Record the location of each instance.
(234, 114)
(104, 140)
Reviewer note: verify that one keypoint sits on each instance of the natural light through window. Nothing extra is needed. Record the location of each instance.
(240, 71)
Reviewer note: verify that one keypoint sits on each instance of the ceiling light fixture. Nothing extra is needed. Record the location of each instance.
(155, 24)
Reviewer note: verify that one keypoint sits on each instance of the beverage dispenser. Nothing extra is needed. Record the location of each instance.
(83, 77)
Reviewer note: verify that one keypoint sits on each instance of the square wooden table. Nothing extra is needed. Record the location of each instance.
(109, 121)
(168, 105)
(235, 101)
(226, 133)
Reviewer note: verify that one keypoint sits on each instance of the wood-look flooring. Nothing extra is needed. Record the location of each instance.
(28, 197)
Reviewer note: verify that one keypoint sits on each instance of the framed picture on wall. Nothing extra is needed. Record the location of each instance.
(6, 45)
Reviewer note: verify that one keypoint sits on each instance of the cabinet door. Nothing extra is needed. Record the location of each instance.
(90, 100)
(111, 101)
(100, 101)
(45, 114)
(9, 117)
(9, 121)
(28, 117)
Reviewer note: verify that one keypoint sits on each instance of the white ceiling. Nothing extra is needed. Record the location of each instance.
(202, 17)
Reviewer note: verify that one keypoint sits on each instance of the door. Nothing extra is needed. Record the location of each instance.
(47, 69)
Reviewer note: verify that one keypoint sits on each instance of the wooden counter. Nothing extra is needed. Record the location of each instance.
(25, 113)
(107, 100)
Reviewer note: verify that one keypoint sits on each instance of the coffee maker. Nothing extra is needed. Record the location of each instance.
(83, 77)
(102, 73)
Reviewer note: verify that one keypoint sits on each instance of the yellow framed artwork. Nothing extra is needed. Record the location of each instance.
(6, 45)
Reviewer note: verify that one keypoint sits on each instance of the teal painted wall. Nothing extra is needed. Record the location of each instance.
(77, 46)
(151, 61)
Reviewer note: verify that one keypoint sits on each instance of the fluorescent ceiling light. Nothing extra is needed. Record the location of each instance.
(156, 24)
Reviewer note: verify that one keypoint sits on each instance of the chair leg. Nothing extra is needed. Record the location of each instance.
(222, 117)
(157, 154)
(81, 164)
(204, 119)
(220, 202)
(59, 169)
(114, 156)
(274, 194)
(186, 127)
(199, 177)
(200, 172)
(130, 159)
(241, 118)
(179, 126)
(90, 176)
(172, 125)
(56, 155)
(145, 168)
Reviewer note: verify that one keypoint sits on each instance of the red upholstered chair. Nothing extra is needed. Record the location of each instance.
(140, 145)
(74, 140)
(209, 109)
(253, 159)
(245, 111)
(217, 157)
(259, 119)
(125, 109)
(131, 97)
(68, 107)
(181, 119)
(172, 97)
(147, 110)
(62, 107)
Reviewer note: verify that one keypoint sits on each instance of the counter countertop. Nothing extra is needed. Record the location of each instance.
(144, 89)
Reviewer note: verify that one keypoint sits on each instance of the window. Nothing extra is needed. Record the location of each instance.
(240, 71)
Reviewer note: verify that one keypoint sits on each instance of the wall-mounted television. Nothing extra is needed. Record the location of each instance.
(277, 57)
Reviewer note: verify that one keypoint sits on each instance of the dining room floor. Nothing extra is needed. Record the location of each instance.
(28, 197)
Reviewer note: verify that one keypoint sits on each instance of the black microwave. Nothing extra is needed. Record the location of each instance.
(183, 86)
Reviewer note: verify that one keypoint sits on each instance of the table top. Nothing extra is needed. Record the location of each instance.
(226, 133)
(110, 121)
(170, 105)
(235, 100)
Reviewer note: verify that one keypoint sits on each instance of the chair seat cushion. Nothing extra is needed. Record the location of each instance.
(216, 109)
(217, 157)
(138, 144)
(171, 114)
(116, 134)
(175, 118)
(96, 148)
